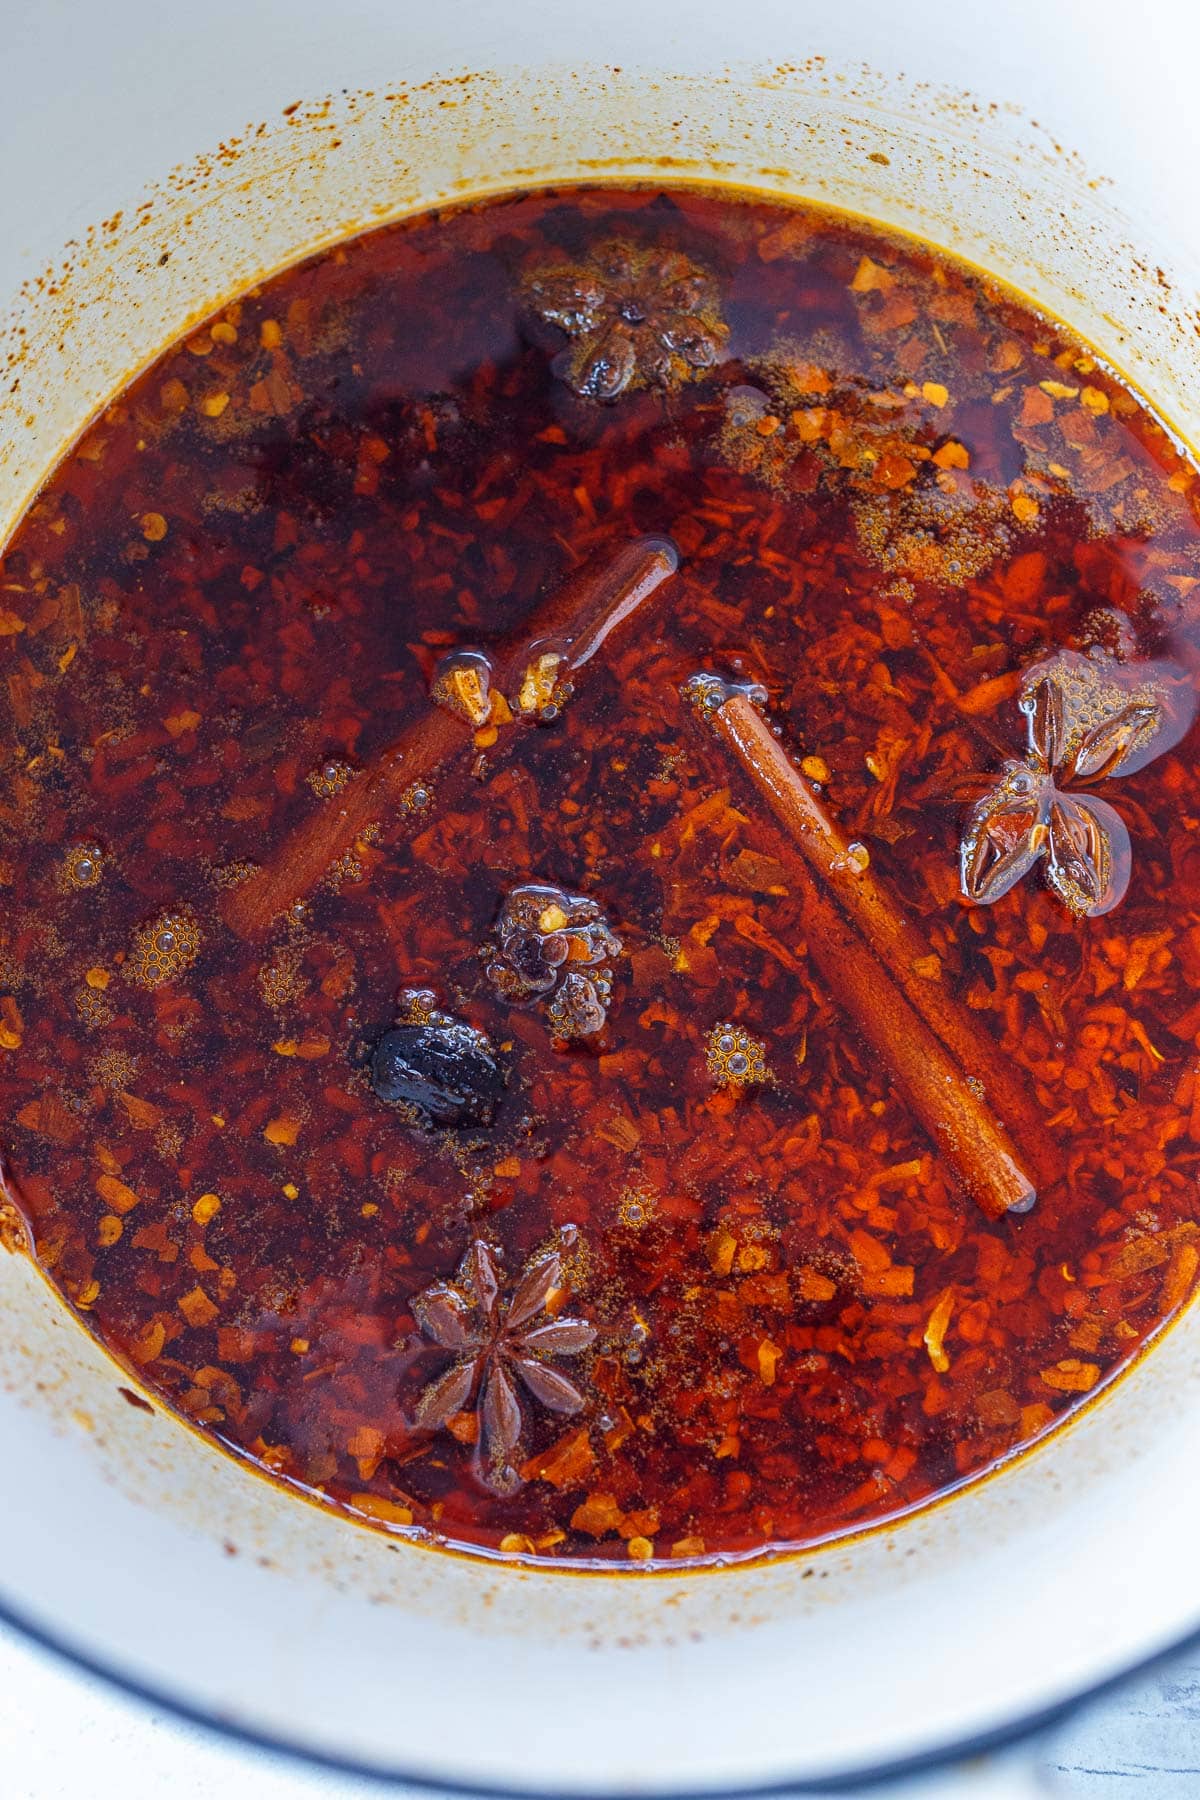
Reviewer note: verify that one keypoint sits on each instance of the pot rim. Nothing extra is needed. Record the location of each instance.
(942, 1746)
(940, 1757)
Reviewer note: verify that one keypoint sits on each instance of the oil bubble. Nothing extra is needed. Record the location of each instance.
(708, 692)
(462, 683)
(746, 405)
(735, 1059)
(330, 778)
(637, 1208)
(163, 948)
(542, 693)
(82, 867)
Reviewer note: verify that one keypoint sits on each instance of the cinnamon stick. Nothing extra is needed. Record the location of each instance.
(868, 953)
(563, 634)
(974, 1143)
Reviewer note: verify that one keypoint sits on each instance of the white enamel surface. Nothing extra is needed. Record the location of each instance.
(65, 1734)
(130, 1540)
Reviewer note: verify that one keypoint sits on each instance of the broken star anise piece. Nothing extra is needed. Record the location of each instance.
(635, 317)
(551, 943)
(502, 1347)
(1088, 718)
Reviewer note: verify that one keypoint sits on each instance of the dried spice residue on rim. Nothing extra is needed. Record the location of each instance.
(895, 492)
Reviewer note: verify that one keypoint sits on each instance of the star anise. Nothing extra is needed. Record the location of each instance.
(1088, 719)
(501, 1347)
(635, 317)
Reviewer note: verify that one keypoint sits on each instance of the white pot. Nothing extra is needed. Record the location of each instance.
(127, 1539)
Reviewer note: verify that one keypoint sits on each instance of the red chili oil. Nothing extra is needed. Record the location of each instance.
(737, 1298)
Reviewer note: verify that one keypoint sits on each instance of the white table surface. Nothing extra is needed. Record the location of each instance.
(68, 1736)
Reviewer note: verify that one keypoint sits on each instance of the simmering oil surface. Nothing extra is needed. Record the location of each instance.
(440, 1050)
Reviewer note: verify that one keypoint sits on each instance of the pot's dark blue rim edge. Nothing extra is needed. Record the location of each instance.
(870, 1776)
